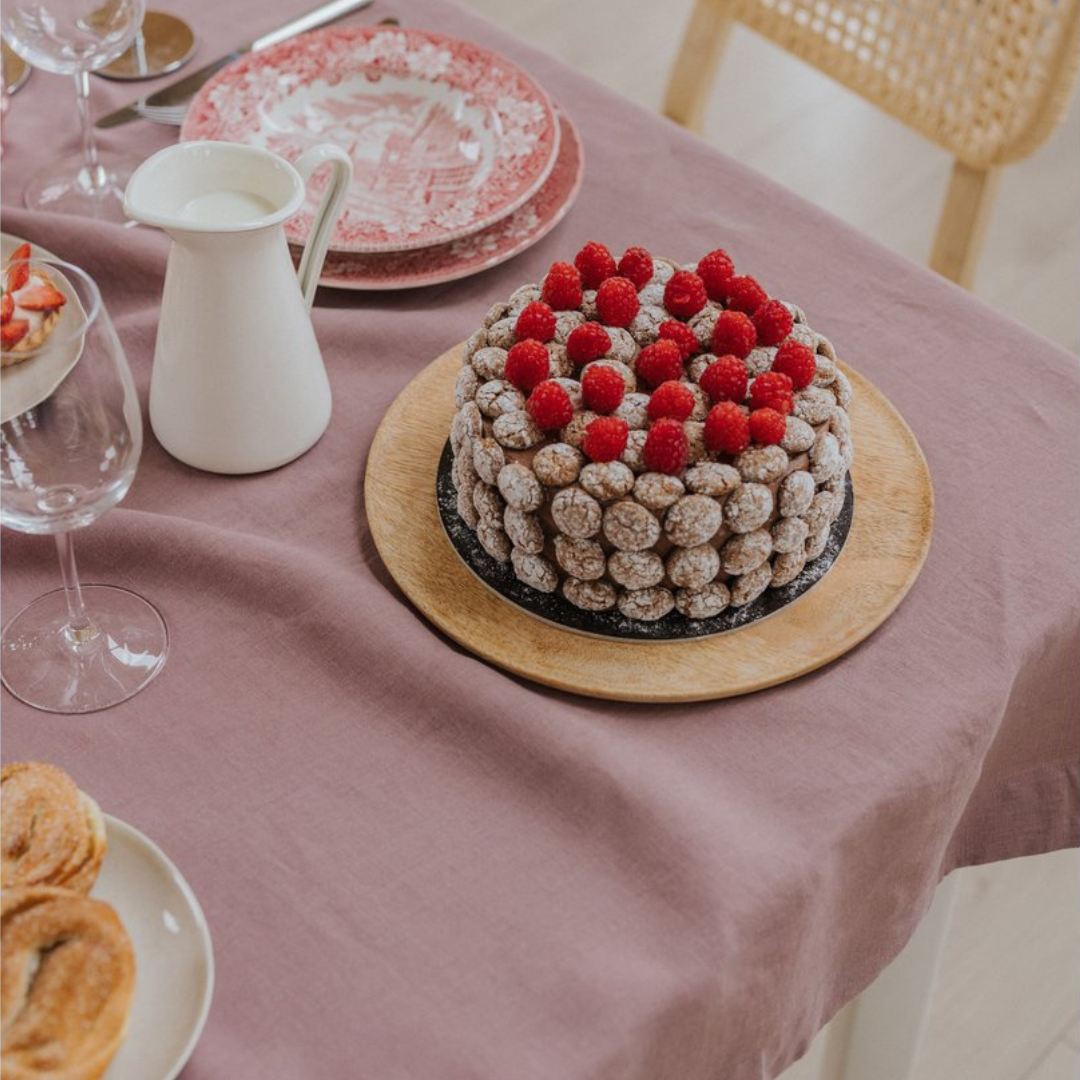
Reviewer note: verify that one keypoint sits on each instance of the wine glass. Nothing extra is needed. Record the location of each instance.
(70, 438)
(163, 43)
(75, 37)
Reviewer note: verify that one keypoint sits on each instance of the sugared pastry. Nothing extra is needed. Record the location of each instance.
(51, 833)
(29, 308)
(650, 437)
(68, 976)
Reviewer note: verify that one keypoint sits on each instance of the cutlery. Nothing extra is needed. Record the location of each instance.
(173, 115)
(169, 104)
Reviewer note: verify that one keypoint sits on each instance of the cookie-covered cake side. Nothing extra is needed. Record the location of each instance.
(642, 436)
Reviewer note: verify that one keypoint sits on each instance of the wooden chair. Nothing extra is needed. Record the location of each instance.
(988, 80)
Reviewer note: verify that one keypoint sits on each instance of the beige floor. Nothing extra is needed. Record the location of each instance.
(1006, 1005)
(821, 141)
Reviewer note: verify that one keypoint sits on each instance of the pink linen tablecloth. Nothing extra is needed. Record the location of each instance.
(416, 866)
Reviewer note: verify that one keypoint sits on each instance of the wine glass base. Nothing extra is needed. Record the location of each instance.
(164, 43)
(41, 664)
(70, 186)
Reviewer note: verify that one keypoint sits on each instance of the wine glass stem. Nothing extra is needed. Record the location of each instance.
(90, 153)
(140, 53)
(79, 629)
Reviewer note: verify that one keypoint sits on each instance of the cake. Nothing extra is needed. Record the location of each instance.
(29, 308)
(647, 437)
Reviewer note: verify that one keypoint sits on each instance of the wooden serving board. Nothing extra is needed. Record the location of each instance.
(885, 550)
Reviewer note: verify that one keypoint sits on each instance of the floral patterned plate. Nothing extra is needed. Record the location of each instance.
(475, 252)
(445, 137)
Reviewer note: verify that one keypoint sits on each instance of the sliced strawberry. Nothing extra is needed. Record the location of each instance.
(13, 332)
(7, 308)
(41, 298)
(19, 275)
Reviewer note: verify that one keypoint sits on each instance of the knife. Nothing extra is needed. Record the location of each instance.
(186, 88)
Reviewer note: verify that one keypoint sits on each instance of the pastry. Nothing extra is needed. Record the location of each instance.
(29, 308)
(67, 981)
(51, 833)
(650, 438)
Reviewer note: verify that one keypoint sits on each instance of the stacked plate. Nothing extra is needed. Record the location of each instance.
(460, 160)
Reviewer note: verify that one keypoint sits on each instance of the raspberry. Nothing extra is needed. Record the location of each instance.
(673, 399)
(727, 429)
(659, 362)
(773, 322)
(617, 301)
(550, 406)
(587, 342)
(666, 447)
(681, 334)
(602, 389)
(716, 270)
(536, 322)
(562, 287)
(797, 362)
(772, 390)
(527, 364)
(596, 264)
(637, 265)
(767, 426)
(745, 294)
(725, 379)
(605, 438)
(734, 334)
(684, 294)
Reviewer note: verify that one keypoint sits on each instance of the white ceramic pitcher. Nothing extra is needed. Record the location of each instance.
(238, 383)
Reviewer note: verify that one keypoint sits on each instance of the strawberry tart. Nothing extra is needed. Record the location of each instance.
(29, 308)
(649, 439)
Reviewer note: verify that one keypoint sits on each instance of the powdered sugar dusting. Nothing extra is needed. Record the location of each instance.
(554, 608)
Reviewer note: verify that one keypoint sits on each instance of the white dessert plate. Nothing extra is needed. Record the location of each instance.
(478, 251)
(174, 960)
(24, 385)
(445, 137)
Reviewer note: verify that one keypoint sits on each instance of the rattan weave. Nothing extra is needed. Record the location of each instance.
(986, 79)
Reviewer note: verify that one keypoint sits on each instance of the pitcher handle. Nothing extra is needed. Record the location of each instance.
(326, 216)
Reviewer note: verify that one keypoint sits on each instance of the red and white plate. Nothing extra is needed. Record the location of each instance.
(445, 137)
(480, 250)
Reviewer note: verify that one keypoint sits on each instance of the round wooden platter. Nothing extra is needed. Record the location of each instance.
(885, 550)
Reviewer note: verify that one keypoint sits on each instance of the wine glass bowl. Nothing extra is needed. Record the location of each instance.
(70, 457)
(67, 38)
(47, 494)
(164, 43)
(70, 440)
(75, 37)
